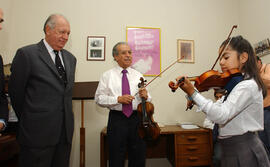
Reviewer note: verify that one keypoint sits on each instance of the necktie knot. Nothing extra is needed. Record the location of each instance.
(55, 52)
(124, 71)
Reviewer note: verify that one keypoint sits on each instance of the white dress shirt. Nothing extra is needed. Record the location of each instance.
(208, 124)
(110, 87)
(240, 113)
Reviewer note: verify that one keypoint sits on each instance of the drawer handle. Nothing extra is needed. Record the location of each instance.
(192, 148)
(193, 158)
(192, 138)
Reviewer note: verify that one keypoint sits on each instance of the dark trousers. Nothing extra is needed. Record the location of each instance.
(265, 134)
(216, 154)
(50, 156)
(217, 148)
(123, 137)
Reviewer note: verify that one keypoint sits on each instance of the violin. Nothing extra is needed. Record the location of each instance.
(209, 79)
(148, 128)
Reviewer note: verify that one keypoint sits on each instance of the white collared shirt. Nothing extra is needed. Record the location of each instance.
(52, 54)
(240, 113)
(110, 87)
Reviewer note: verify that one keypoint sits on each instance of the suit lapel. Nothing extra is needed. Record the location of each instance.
(45, 56)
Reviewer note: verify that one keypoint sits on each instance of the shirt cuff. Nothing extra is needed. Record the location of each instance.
(115, 100)
(199, 100)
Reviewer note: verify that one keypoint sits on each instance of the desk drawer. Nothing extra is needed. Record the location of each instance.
(194, 160)
(191, 138)
(192, 149)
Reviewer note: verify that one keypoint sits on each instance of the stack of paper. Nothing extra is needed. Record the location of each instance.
(188, 126)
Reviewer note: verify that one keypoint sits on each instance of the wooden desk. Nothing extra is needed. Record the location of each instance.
(182, 147)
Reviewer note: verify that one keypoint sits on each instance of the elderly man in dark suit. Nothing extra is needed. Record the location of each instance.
(3, 98)
(40, 87)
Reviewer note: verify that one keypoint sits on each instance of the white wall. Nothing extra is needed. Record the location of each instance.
(207, 22)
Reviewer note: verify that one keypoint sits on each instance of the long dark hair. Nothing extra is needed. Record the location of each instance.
(250, 69)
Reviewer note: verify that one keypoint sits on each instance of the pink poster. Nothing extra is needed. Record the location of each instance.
(145, 46)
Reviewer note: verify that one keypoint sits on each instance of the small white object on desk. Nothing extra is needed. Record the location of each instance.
(188, 126)
(161, 125)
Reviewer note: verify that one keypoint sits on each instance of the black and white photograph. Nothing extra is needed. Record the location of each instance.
(96, 48)
(96, 53)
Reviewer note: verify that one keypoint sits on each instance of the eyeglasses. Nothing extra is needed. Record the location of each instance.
(1, 20)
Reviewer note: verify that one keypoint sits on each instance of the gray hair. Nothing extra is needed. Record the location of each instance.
(51, 21)
(115, 51)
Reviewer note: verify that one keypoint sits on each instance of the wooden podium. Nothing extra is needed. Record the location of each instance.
(83, 91)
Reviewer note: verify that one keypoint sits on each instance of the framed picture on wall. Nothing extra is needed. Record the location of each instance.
(185, 51)
(262, 48)
(96, 48)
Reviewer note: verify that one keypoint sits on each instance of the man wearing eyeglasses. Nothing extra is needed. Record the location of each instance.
(3, 98)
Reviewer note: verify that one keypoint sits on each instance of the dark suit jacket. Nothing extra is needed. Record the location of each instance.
(3, 98)
(39, 97)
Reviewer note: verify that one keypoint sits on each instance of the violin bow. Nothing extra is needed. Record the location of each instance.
(160, 74)
(227, 42)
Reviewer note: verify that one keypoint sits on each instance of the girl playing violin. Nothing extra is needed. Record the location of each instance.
(240, 114)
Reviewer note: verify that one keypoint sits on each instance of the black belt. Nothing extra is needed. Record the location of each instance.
(267, 108)
(121, 112)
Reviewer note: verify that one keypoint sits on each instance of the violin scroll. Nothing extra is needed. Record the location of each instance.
(174, 86)
(142, 83)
